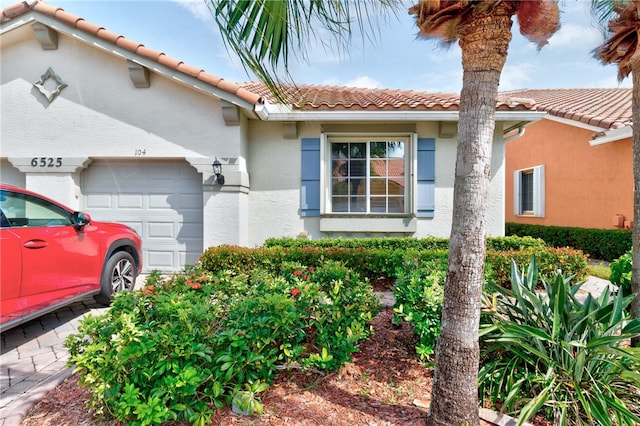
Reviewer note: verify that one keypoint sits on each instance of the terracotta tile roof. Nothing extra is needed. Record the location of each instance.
(605, 108)
(306, 97)
(327, 98)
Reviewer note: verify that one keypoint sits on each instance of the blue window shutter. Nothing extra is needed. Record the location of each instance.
(310, 182)
(425, 191)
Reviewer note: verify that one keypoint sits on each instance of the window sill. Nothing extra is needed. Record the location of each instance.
(401, 224)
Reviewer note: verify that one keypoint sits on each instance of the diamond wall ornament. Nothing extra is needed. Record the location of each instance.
(44, 80)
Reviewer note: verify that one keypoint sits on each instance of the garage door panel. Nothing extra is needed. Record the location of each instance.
(161, 230)
(191, 216)
(135, 225)
(98, 201)
(161, 260)
(162, 201)
(190, 231)
(130, 201)
(190, 201)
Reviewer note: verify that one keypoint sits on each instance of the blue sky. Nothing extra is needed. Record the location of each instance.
(397, 59)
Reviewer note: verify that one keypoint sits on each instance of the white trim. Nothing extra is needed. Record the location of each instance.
(412, 179)
(538, 192)
(613, 135)
(325, 166)
(369, 224)
(278, 112)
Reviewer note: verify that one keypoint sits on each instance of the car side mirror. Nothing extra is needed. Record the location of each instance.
(80, 219)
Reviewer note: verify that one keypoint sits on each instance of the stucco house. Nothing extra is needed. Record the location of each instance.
(575, 166)
(129, 134)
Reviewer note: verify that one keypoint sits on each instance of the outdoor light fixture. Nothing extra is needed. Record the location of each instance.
(217, 170)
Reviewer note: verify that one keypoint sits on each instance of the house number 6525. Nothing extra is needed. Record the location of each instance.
(46, 162)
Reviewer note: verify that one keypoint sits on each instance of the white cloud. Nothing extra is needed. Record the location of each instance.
(364, 81)
(612, 81)
(449, 82)
(516, 76)
(436, 53)
(198, 9)
(571, 34)
(360, 81)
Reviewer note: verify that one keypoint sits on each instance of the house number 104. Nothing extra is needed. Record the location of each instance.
(46, 162)
(140, 152)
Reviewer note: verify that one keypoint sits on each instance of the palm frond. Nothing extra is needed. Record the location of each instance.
(266, 33)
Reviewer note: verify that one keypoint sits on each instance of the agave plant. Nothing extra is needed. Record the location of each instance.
(559, 354)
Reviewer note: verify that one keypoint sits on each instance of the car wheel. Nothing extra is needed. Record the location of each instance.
(119, 275)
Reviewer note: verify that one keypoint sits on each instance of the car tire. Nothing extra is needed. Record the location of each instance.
(119, 274)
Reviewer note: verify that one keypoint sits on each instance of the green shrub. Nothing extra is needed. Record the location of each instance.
(188, 344)
(370, 263)
(391, 243)
(400, 243)
(603, 244)
(550, 352)
(621, 272)
(550, 260)
(419, 292)
(385, 262)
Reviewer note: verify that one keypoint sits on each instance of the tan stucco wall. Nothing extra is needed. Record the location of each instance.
(585, 186)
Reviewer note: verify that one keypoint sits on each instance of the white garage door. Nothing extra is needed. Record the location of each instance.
(161, 200)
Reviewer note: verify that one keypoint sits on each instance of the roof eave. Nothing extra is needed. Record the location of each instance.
(272, 112)
(613, 135)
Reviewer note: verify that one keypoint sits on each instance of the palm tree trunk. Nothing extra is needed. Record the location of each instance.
(484, 42)
(635, 274)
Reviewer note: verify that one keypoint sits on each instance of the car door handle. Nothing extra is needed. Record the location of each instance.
(35, 244)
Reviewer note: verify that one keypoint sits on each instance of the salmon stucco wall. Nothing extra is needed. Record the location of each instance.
(585, 186)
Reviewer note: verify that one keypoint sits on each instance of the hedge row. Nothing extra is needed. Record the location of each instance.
(603, 244)
(549, 260)
(404, 243)
(376, 263)
(369, 263)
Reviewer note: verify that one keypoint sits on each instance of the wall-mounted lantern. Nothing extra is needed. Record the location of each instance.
(217, 170)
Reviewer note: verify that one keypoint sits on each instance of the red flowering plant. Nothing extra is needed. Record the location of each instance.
(196, 279)
(153, 283)
(230, 330)
(194, 285)
(149, 289)
(298, 278)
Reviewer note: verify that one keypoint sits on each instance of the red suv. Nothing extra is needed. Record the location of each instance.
(51, 256)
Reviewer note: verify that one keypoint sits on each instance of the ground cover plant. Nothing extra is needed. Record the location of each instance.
(419, 291)
(186, 345)
(599, 269)
(621, 272)
(554, 353)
